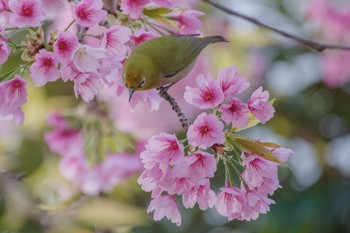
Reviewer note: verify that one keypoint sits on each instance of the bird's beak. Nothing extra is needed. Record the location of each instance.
(131, 92)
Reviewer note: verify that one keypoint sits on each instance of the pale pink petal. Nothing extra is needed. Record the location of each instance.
(133, 8)
(65, 46)
(165, 206)
(259, 105)
(87, 85)
(45, 68)
(26, 13)
(89, 12)
(86, 58)
(207, 95)
(205, 131)
(230, 82)
(5, 51)
(235, 112)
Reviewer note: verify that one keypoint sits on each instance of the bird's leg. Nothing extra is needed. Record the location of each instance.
(163, 92)
(166, 88)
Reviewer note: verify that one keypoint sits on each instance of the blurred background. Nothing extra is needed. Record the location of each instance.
(312, 118)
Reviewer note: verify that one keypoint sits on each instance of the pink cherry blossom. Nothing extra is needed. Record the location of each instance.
(282, 153)
(199, 193)
(257, 170)
(56, 120)
(256, 203)
(133, 8)
(230, 82)
(87, 85)
(69, 71)
(201, 165)
(207, 95)
(13, 95)
(86, 58)
(114, 39)
(141, 36)
(230, 202)
(235, 112)
(64, 141)
(334, 69)
(151, 97)
(91, 181)
(26, 13)
(175, 179)
(150, 178)
(73, 167)
(206, 131)
(116, 168)
(334, 19)
(45, 68)
(65, 46)
(5, 51)
(165, 206)
(259, 105)
(162, 148)
(89, 12)
(189, 22)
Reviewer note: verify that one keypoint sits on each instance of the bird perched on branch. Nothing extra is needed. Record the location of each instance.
(162, 61)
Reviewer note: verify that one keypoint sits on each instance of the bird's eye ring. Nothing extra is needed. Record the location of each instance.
(143, 82)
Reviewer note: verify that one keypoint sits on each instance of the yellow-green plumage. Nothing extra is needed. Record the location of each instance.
(164, 60)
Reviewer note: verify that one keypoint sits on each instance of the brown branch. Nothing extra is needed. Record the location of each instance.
(318, 46)
(182, 118)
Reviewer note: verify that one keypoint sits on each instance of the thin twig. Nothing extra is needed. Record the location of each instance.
(182, 118)
(318, 46)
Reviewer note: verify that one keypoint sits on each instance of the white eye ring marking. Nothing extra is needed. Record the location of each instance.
(143, 82)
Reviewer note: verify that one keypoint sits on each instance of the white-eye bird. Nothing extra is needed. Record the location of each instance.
(162, 61)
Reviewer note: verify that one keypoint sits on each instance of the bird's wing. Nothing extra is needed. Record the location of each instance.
(188, 49)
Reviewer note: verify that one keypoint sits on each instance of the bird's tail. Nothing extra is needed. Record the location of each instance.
(213, 39)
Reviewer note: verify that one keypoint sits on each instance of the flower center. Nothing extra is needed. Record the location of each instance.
(27, 11)
(47, 62)
(208, 95)
(204, 129)
(83, 14)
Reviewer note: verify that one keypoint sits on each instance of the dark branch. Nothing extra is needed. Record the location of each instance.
(182, 118)
(318, 46)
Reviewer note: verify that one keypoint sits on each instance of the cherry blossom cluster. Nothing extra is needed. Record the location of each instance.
(91, 175)
(65, 51)
(333, 20)
(172, 169)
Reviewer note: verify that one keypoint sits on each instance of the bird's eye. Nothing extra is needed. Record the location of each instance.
(142, 84)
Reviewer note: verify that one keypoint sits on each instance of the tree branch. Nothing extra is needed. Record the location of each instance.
(318, 46)
(182, 118)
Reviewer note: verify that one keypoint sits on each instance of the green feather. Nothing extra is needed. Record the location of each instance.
(176, 52)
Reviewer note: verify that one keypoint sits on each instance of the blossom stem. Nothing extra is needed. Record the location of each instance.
(318, 46)
(71, 23)
(9, 74)
(228, 176)
(182, 118)
(91, 35)
(156, 29)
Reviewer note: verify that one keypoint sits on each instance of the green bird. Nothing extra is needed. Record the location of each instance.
(163, 61)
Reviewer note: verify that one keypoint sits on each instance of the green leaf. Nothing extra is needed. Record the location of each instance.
(156, 12)
(256, 148)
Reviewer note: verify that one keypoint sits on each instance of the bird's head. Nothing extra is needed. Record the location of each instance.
(139, 74)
